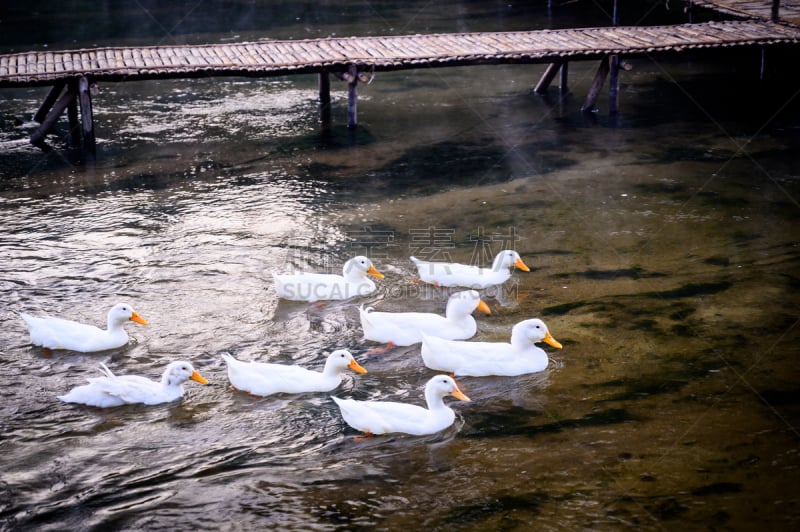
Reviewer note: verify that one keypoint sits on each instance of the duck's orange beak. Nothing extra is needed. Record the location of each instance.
(375, 273)
(197, 377)
(483, 307)
(521, 266)
(138, 319)
(549, 340)
(458, 394)
(355, 366)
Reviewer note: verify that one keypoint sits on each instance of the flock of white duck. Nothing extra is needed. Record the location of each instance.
(442, 339)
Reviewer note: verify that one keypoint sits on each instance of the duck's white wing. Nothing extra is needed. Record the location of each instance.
(58, 333)
(457, 274)
(265, 379)
(249, 376)
(133, 389)
(381, 417)
(400, 328)
(114, 391)
(445, 273)
(313, 287)
(294, 379)
(473, 359)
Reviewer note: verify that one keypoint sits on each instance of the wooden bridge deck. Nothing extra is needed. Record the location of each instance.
(273, 58)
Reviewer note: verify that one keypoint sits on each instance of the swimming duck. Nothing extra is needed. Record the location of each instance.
(406, 328)
(382, 417)
(259, 378)
(314, 287)
(113, 390)
(454, 274)
(478, 359)
(58, 333)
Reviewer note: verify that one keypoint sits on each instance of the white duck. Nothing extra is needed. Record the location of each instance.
(382, 417)
(455, 274)
(113, 390)
(259, 378)
(406, 328)
(314, 287)
(478, 359)
(58, 333)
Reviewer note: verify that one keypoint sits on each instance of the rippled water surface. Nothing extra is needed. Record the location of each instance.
(664, 252)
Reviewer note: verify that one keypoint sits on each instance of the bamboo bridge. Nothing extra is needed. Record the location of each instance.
(72, 74)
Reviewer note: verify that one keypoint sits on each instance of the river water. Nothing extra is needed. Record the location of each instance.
(663, 245)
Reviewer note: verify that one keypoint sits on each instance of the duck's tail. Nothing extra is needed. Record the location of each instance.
(107, 372)
(364, 313)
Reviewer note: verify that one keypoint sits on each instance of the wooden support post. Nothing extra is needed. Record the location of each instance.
(597, 85)
(49, 100)
(549, 73)
(613, 84)
(352, 96)
(87, 120)
(562, 82)
(72, 114)
(325, 98)
(775, 10)
(37, 138)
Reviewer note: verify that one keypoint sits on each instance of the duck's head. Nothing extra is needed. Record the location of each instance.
(122, 312)
(508, 259)
(180, 372)
(360, 266)
(443, 385)
(464, 303)
(533, 331)
(342, 359)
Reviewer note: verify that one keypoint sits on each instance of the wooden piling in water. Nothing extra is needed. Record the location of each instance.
(613, 84)
(547, 78)
(50, 100)
(562, 82)
(325, 98)
(37, 138)
(352, 96)
(87, 121)
(72, 115)
(597, 85)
